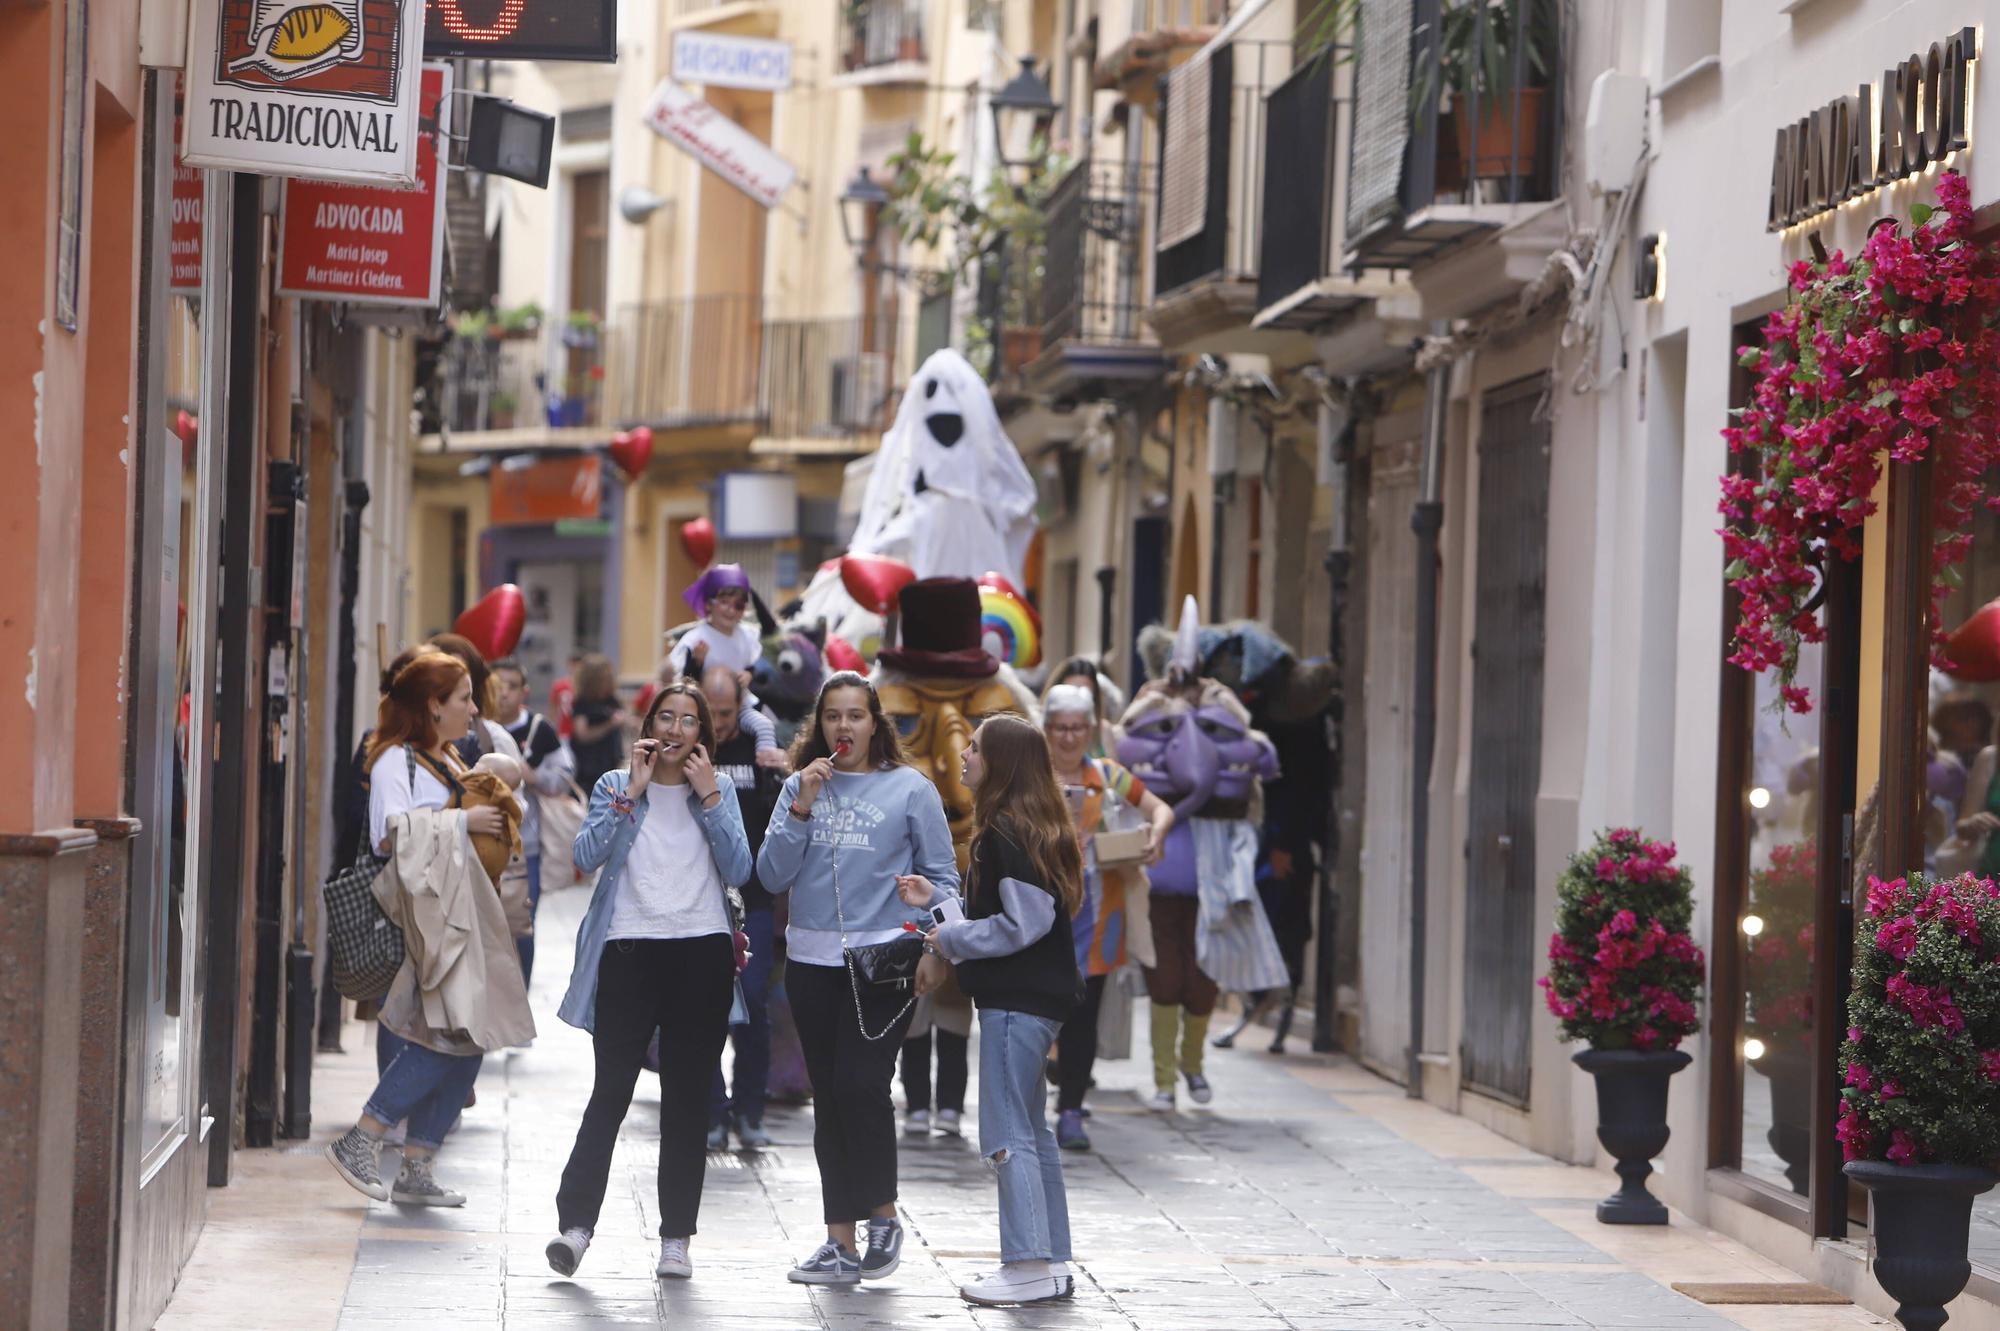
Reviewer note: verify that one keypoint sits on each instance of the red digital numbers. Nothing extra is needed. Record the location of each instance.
(521, 29)
(501, 29)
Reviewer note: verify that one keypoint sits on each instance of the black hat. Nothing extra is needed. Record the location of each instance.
(941, 631)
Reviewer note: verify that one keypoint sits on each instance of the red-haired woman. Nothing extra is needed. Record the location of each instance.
(413, 780)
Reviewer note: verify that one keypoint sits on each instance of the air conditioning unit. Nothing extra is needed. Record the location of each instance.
(857, 391)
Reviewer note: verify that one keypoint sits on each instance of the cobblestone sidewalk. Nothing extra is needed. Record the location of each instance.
(1311, 1196)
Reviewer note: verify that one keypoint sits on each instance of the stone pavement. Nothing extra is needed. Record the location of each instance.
(1311, 1196)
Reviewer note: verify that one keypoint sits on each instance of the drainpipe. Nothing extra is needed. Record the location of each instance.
(1336, 435)
(1426, 518)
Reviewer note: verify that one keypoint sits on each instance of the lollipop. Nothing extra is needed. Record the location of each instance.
(1009, 628)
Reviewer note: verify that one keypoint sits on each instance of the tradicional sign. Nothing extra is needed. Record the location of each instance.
(1920, 114)
(324, 88)
(732, 62)
(371, 244)
(720, 144)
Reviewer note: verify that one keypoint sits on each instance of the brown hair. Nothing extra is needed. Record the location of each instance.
(404, 715)
(454, 644)
(681, 688)
(1018, 797)
(596, 680)
(1085, 669)
(885, 749)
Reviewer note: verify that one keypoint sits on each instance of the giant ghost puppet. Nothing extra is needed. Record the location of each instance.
(1190, 740)
(948, 495)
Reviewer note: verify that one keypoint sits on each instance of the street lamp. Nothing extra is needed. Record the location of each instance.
(1025, 99)
(860, 203)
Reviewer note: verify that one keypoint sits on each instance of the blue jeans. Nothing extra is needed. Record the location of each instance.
(426, 1087)
(1015, 1138)
(753, 1040)
(525, 944)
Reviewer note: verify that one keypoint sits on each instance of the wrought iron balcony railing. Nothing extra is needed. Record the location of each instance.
(1094, 279)
(882, 32)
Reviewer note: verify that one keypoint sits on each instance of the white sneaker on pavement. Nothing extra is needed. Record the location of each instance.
(1018, 1283)
(674, 1263)
(565, 1251)
(917, 1123)
(950, 1122)
(1162, 1102)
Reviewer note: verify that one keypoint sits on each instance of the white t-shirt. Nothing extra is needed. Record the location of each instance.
(391, 792)
(670, 888)
(733, 651)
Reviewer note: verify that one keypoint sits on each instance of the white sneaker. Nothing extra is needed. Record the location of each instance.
(1067, 1277)
(1018, 1283)
(917, 1123)
(674, 1263)
(1162, 1102)
(565, 1251)
(950, 1123)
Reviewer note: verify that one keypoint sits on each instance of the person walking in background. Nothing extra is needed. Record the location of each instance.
(947, 1027)
(469, 1004)
(1111, 918)
(599, 723)
(740, 1103)
(562, 696)
(656, 954)
(1105, 700)
(1017, 960)
(548, 763)
(852, 817)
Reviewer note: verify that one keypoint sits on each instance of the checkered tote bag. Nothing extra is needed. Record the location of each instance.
(364, 947)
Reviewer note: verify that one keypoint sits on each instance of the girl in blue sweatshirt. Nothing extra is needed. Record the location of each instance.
(852, 820)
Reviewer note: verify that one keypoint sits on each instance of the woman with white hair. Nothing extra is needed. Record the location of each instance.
(1103, 796)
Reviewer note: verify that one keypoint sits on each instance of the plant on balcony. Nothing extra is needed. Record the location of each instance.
(854, 18)
(1893, 353)
(1625, 974)
(521, 321)
(1920, 1104)
(1482, 45)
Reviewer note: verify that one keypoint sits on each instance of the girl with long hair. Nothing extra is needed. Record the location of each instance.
(852, 820)
(599, 721)
(655, 953)
(1016, 961)
(412, 767)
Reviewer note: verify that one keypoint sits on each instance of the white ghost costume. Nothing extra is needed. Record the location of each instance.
(948, 495)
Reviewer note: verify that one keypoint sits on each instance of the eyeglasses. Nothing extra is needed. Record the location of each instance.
(1082, 728)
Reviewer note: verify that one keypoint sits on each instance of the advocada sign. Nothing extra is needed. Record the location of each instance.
(322, 88)
(720, 144)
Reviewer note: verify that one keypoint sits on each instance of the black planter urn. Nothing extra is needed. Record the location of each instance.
(1632, 1124)
(1921, 1217)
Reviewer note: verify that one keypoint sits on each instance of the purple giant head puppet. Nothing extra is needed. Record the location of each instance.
(1193, 745)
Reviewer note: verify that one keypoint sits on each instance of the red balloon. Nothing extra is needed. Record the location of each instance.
(493, 624)
(841, 654)
(875, 581)
(1974, 646)
(186, 426)
(632, 450)
(698, 540)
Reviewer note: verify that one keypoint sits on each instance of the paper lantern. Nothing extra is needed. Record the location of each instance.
(1009, 628)
(841, 654)
(632, 450)
(875, 581)
(493, 624)
(1974, 646)
(698, 540)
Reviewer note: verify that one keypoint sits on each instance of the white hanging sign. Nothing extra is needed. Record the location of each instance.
(720, 144)
(324, 88)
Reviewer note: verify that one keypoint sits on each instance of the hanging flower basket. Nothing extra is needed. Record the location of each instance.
(1891, 354)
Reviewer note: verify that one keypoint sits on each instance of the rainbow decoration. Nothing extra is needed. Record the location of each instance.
(1009, 627)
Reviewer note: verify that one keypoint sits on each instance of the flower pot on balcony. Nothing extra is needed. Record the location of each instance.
(910, 48)
(1921, 1218)
(1019, 346)
(1498, 154)
(1632, 1124)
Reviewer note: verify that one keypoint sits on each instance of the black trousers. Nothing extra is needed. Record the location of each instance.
(854, 1120)
(1076, 1050)
(954, 1069)
(681, 988)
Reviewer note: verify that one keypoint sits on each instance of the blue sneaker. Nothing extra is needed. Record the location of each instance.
(885, 1248)
(1070, 1135)
(830, 1264)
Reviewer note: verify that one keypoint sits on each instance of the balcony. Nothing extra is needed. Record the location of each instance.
(1093, 340)
(826, 379)
(687, 363)
(1429, 73)
(1157, 32)
(537, 383)
(882, 43)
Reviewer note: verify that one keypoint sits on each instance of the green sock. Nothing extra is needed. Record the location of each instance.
(1194, 1044)
(1166, 1023)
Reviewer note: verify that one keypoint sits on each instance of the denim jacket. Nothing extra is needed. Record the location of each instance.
(606, 839)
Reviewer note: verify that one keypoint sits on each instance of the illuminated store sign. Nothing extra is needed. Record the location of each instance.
(521, 29)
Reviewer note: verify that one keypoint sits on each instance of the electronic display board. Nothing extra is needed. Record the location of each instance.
(521, 29)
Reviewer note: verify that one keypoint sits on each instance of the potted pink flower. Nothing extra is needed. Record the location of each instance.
(1920, 1104)
(1625, 975)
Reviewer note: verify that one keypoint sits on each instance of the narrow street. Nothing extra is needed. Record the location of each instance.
(1311, 1196)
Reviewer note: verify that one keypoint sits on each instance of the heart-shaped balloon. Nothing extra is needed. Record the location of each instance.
(632, 449)
(841, 654)
(493, 624)
(1974, 646)
(698, 540)
(875, 581)
(186, 426)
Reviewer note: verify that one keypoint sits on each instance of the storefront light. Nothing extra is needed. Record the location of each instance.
(1753, 1049)
(1753, 925)
(1760, 798)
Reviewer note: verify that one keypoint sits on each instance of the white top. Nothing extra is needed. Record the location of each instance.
(670, 888)
(821, 947)
(390, 792)
(735, 651)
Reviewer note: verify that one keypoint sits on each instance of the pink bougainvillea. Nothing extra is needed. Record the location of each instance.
(1889, 355)
(1623, 971)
